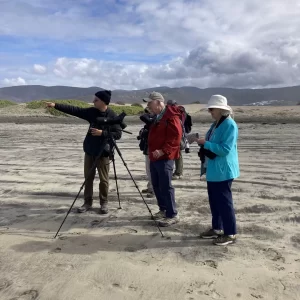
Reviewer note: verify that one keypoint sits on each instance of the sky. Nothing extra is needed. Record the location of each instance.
(135, 44)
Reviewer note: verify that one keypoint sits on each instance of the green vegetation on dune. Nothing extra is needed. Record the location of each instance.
(5, 103)
(137, 104)
(129, 110)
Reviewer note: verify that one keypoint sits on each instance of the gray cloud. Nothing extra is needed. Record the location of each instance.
(213, 43)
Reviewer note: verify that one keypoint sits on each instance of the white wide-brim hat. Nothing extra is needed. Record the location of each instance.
(217, 101)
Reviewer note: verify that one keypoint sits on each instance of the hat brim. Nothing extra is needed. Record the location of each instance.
(147, 100)
(217, 106)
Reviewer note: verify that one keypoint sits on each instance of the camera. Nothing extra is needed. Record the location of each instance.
(147, 118)
(118, 120)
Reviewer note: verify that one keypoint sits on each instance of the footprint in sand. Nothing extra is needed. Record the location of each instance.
(27, 295)
(133, 288)
(65, 266)
(274, 255)
(56, 250)
(211, 263)
(203, 289)
(295, 239)
(95, 223)
(136, 248)
(4, 283)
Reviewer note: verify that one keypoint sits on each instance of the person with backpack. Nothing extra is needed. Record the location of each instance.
(148, 119)
(164, 146)
(186, 121)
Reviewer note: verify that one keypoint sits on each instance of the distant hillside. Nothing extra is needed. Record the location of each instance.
(184, 95)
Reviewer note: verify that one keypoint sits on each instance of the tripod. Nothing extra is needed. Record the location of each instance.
(112, 142)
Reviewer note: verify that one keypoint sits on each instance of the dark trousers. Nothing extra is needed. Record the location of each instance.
(103, 171)
(161, 177)
(221, 206)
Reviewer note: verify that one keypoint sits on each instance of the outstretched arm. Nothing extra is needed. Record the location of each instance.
(82, 113)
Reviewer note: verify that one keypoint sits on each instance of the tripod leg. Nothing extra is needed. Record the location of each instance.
(120, 154)
(116, 179)
(69, 210)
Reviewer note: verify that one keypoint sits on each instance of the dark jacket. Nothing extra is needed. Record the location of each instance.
(165, 134)
(148, 119)
(93, 145)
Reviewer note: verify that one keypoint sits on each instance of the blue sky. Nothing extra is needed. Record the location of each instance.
(132, 44)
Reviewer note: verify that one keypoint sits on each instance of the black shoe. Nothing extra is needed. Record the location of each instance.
(211, 234)
(103, 209)
(84, 208)
(225, 240)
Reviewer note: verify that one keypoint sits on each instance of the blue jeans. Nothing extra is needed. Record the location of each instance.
(221, 206)
(161, 177)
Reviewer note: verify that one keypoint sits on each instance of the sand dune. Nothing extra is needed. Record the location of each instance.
(242, 114)
(122, 255)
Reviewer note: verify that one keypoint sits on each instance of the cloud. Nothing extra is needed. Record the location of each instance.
(39, 69)
(132, 44)
(14, 81)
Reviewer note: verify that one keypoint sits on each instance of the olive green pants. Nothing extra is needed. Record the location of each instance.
(102, 167)
(179, 165)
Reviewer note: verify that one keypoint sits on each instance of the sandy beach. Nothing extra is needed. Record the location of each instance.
(122, 255)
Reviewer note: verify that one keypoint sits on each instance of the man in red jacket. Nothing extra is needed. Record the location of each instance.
(164, 147)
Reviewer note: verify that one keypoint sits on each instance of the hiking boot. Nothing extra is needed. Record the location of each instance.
(160, 215)
(84, 208)
(211, 234)
(103, 209)
(145, 191)
(165, 222)
(176, 177)
(225, 240)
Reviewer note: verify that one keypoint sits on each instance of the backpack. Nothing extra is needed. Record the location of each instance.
(183, 141)
(188, 123)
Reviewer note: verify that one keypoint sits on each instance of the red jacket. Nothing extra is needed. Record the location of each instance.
(166, 134)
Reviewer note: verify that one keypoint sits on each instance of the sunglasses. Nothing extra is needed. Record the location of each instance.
(210, 109)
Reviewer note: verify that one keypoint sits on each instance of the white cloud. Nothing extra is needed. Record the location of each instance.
(14, 81)
(247, 43)
(39, 69)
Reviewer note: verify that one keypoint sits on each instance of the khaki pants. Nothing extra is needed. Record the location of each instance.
(103, 171)
(149, 184)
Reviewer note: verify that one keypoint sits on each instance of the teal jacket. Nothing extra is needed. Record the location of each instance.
(223, 142)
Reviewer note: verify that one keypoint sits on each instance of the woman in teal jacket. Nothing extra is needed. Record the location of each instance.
(219, 156)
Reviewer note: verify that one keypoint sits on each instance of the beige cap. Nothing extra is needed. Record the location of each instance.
(154, 96)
